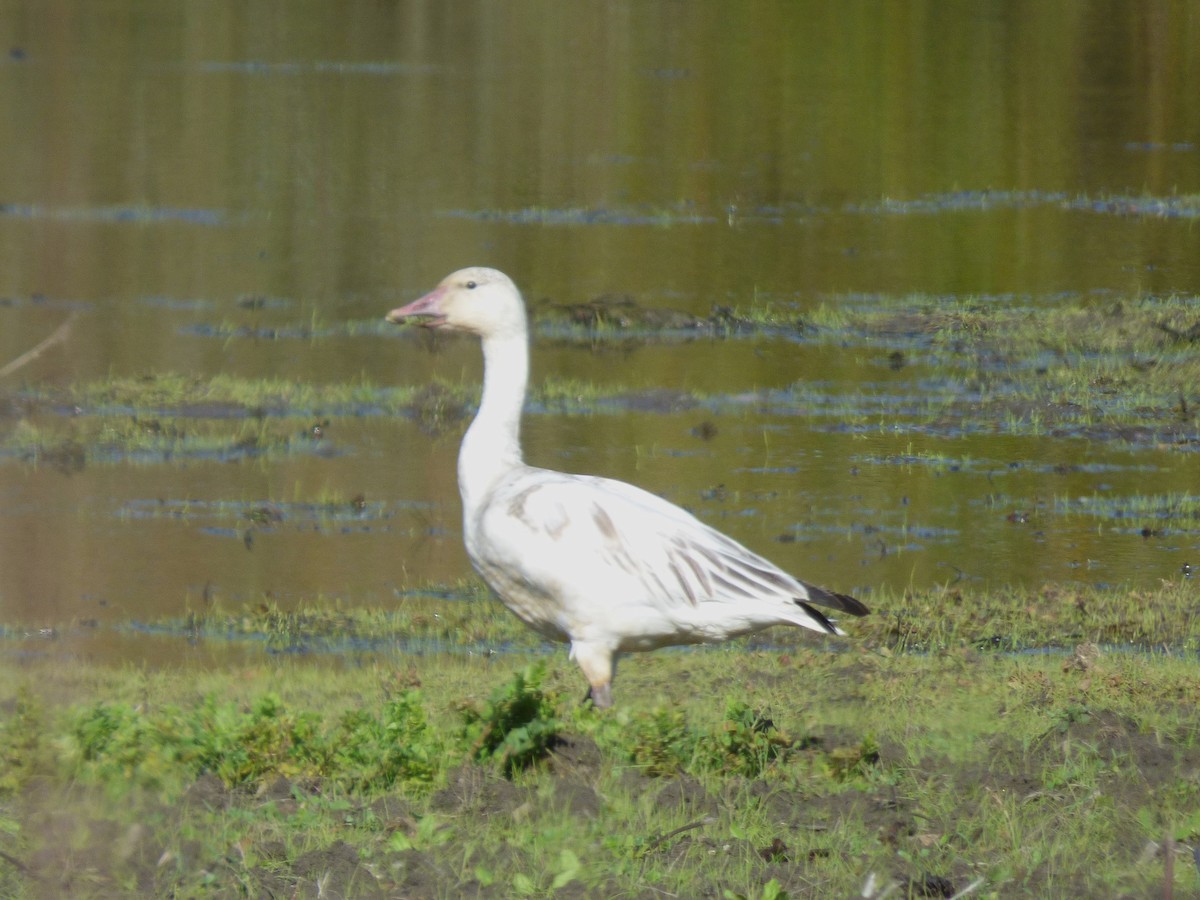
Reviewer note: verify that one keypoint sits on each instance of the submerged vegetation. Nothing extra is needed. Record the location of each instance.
(1117, 369)
(1175, 206)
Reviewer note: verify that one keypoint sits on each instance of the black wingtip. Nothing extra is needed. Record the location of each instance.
(841, 602)
(819, 616)
(852, 605)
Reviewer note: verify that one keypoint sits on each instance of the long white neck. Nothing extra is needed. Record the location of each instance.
(492, 445)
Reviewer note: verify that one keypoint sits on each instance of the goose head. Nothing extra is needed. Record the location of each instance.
(476, 300)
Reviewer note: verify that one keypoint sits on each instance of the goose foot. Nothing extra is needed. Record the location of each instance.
(600, 695)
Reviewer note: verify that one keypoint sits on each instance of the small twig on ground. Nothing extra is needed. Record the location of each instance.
(60, 334)
(658, 841)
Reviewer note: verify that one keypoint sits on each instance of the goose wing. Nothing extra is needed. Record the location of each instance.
(563, 536)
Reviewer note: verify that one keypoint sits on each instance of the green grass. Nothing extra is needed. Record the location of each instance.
(462, 616)
(436, 617)
(721, 771)
(917, 756)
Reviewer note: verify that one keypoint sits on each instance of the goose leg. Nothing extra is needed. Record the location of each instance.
(601, 696)
(596, 661)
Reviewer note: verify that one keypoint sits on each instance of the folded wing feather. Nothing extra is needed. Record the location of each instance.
(566, 520)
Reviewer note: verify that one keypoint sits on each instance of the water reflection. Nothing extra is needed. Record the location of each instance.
(230, 189)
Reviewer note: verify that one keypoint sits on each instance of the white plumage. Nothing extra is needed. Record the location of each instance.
(598, 563)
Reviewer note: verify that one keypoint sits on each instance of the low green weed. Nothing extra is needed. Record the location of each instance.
(663, 742)
(363, 751)
(517, 726)
(397, 746)
(850, 763)
(659, 743)
(772, 890)
(746, 743)
(20, 736)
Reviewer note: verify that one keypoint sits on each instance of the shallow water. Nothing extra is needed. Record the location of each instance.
(246, 191)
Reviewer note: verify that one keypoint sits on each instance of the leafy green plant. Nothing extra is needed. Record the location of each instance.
(365, 751)
(664, 742)
(772, 890)
(848, 763)
(379, 751)
(661, 743)
(430, 832)
(20, 735)
(569, 868)
(247, 747)
(517, 726)
(110, 739)
(746, 743)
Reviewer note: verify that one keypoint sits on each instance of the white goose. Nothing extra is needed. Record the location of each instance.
(595, 562)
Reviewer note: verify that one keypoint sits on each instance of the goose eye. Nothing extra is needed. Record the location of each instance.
(471, 285)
